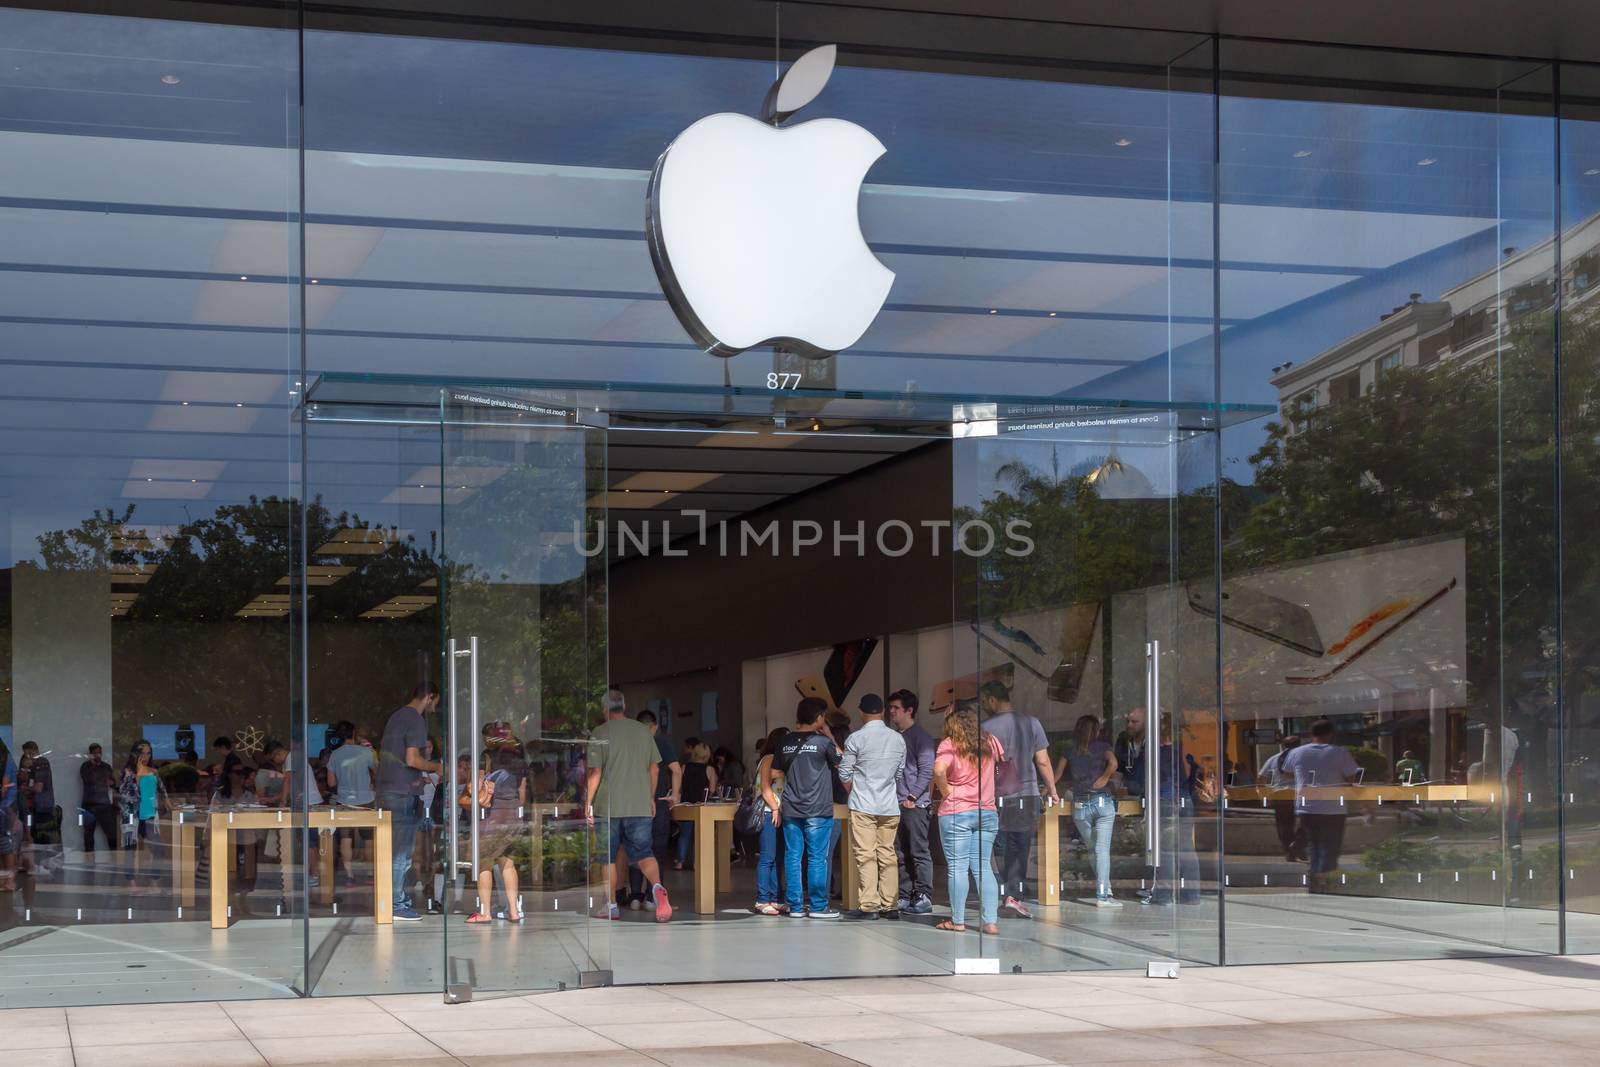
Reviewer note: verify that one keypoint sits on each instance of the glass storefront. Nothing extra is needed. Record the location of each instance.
(1220, 448)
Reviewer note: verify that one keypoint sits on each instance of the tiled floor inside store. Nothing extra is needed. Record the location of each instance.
(1457, 1011)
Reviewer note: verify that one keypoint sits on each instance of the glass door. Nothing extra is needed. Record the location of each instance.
(1067, 530)
(521, 491)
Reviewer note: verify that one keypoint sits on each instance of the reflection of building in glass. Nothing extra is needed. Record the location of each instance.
(1466, 324)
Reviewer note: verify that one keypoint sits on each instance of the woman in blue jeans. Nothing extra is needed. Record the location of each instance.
(963, 774)
(769, 891)
(1094, 809)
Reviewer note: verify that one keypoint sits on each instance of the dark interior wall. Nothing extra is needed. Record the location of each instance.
(707, 611)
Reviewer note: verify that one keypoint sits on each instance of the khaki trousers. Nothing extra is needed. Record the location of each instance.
(877, 867)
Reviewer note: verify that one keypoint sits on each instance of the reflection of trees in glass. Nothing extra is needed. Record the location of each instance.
(180, 653)
(515, 579)
(1457, 448)
(1087, 547)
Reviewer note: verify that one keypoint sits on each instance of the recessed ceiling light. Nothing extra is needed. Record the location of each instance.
(170, 79)
(185, 403)
(244, 277)
(1122, 142)
(1052, 314)
(1591, 172)
(994, 311)
(1426, 161)
(1303, 153)
(313, 281)
(238, 405)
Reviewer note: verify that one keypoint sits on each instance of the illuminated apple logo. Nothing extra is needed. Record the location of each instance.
(753, 226)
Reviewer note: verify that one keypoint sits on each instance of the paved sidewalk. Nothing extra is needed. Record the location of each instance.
(1411, 1014)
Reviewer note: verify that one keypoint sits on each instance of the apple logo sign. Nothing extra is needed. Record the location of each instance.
(753, 229)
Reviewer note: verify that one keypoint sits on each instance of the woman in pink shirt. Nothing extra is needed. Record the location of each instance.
(963, 774)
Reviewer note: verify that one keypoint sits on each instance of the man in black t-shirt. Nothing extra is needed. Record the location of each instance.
(809, 762)
(668, 786)
(99, 800)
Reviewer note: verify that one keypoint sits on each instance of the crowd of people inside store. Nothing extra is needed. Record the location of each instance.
(963, 784)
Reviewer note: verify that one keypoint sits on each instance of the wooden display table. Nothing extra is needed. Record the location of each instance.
(222, 825)
(1381, 794)
(1047, 858)
(713, 852)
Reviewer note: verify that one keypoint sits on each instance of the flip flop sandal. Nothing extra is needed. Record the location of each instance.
(991, 929)
(949, 926)
(478, 918)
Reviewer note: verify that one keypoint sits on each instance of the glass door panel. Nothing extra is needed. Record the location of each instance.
(521, 490)
(1074, 643)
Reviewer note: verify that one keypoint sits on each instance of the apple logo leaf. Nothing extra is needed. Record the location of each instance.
(800, 84)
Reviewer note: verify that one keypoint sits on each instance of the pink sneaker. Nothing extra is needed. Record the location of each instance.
(1016, 907)
(663, 905)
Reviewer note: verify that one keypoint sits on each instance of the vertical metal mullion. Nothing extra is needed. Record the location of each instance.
(1216, 481)
(304, 667)
(1560, 547)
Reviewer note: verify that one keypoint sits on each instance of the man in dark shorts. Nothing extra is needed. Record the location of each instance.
(624, 767)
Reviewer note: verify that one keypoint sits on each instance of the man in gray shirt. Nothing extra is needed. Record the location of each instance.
(1316, 767)
(1017, 780)
(401, 764)
(872, 768)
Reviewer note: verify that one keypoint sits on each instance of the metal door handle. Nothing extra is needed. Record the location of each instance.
(452, 744)
(1152, 751)
(477, 813)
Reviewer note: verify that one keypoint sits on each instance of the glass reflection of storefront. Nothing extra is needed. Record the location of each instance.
(340, 373)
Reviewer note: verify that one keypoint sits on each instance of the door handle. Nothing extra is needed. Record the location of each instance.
(477, 812)
(1152, 751)
(451, 798)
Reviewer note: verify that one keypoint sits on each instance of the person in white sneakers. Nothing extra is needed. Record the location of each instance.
(624, 768)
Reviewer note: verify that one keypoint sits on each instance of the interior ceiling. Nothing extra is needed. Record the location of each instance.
(659, 466)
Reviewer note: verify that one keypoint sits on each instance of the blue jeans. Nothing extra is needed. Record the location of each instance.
(685, 844)
(405, 810)
(807, 839)
(968, 852)
(1094, 814)
(769, 863)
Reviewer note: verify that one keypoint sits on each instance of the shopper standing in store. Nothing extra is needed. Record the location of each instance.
(964, 776)
(912, 850)
(669, 787)
(99, 792)
(769, 859)
(10, 824)
(352, 775)
(808, 760)
(401, 766)
(144, 798)
(699, 784)
(1321, 763)
(1090, 768)
(1026, 765)
(872, 768)
(624, 766)
(40, 803)
(1274, 775)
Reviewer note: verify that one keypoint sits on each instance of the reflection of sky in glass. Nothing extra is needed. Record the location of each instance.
(477, 208)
